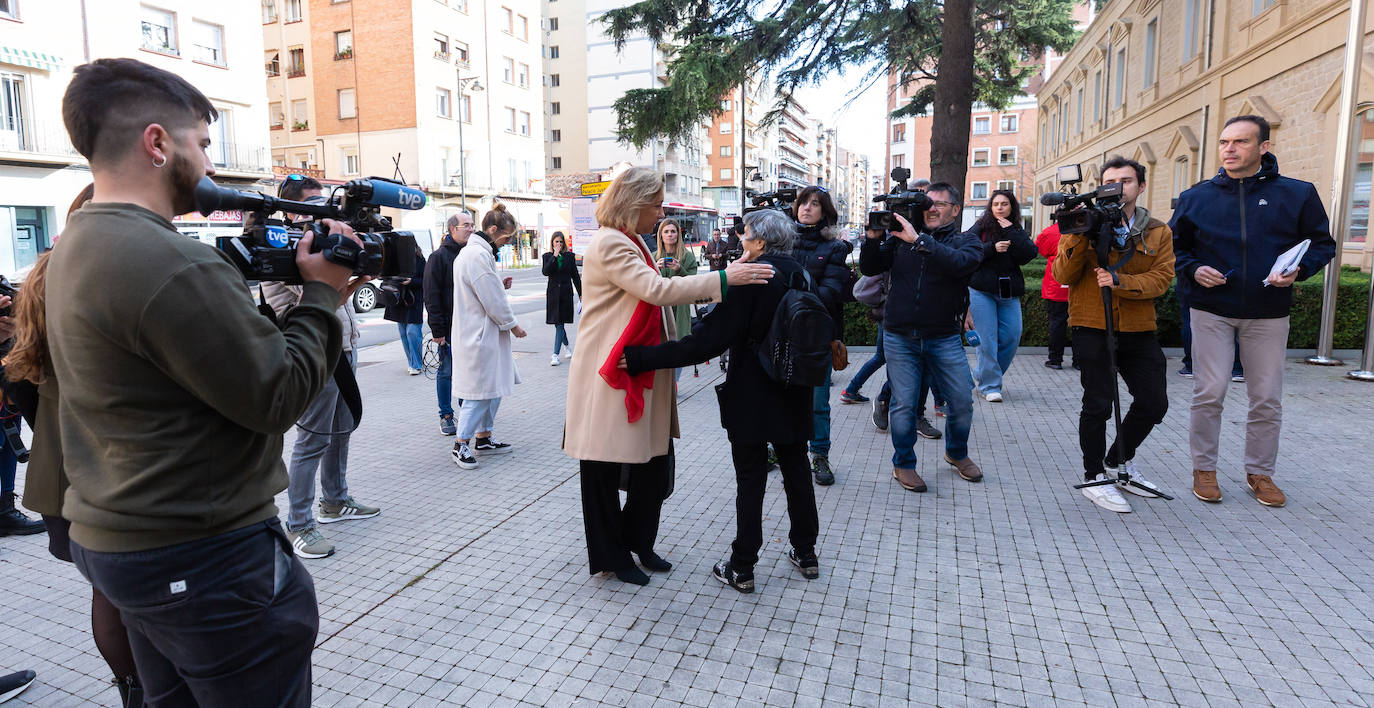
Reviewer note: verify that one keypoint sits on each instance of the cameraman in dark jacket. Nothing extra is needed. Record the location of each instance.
(922, 326)
(439, 306)
(822, 252)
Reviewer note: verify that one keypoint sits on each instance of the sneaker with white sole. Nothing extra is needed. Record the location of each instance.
(1134, 472)
(567, 353)
(554, 361)
(462, 455)
(1106, 496)
(14, 684)
(993, 396)
(310, 543)
(347, 510)
(487, 446)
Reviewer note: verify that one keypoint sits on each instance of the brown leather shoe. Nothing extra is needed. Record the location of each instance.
(1264, 489)
(966, 468)
(1205, 486)
(909, 479)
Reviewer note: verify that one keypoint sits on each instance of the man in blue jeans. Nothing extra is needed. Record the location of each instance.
(922, 323)
(439, 307)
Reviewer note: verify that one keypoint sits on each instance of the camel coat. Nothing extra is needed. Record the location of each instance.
(615, 278)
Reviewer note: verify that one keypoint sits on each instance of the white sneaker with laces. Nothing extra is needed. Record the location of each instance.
(1106, 496)
(1132, 470)
(567, 354)
(993, 397)
(554, 360)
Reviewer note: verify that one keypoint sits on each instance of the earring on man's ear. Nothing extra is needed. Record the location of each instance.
(160, 164)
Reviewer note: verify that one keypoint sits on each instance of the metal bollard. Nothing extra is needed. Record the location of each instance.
(1366, 370)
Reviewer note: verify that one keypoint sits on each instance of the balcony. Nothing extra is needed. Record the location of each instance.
(240, 157)
(43, 142)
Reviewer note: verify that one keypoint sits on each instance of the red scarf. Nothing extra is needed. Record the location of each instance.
(645, 328)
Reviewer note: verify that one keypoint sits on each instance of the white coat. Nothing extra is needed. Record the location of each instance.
(483, 364)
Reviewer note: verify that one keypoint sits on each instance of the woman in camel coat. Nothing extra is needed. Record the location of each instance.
(614, 419)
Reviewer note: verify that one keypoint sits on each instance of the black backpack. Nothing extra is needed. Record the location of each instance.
(796, 349)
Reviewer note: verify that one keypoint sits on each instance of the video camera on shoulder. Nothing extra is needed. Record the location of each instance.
(780, 199)
(1083, 213)
(910, 203)
(267, 249)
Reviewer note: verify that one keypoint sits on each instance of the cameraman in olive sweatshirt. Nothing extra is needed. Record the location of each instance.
(175, 392)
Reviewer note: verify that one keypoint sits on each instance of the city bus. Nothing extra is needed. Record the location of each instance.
(697, 222)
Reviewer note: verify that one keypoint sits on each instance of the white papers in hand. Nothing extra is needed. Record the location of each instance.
(1288, 262)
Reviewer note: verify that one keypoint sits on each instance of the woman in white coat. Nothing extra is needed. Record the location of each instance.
(483, 323)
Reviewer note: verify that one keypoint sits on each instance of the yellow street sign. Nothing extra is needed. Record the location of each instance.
(592, 189)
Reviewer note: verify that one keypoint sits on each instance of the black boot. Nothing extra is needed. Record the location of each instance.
(13, 522)
(130, 691)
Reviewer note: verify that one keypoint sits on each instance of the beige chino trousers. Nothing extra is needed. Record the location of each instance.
(1263, 346)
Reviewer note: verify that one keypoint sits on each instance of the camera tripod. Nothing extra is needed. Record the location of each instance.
(1102, 246)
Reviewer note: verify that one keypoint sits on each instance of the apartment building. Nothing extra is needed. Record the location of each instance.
(585, 75)
(215, 46)
(1156, 81)
(444, 94)
(855, 188)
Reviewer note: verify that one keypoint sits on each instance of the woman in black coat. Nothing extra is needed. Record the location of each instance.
(995, 289)
(560, 265)
(409, 313)
(755, 410)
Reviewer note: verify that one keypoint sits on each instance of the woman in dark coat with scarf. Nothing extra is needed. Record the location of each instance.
(409, 313)
(560, 266)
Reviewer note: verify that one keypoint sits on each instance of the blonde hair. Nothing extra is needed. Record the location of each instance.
(678, 248)
(634, 189)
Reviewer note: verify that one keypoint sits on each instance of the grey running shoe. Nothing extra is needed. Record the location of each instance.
(347, 510)
(446, 425)
(820, 469)
(926, 430)
(310, 543)
(880, 414)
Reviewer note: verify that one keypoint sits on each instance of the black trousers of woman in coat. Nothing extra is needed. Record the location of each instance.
(613, 532)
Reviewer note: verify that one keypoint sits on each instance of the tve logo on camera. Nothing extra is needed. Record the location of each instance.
(410, 199)
(276, 237)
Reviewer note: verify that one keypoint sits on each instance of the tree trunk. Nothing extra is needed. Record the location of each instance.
(953, 106)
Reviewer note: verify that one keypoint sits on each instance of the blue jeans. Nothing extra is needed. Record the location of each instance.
(411, 338)
(999, 342)
(820, 410)
(869, 368)
(560, 337)
(911, 360)
(443, 381)
(477, 416)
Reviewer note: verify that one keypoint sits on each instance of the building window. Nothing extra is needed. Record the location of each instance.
(557, 163)
(553, 51)
(979, 191)
(555, 108)
(509, 16)
(508, 70)
(522, 27)
(510, 120)
(1078, 108)
(1180, 175)
(1192, 27)
(207, 43)
(459, 5)
(1006, 156)
(727, 151)
(726, 173)
(725, 104)
(159, 31)
(460, 52)
(1097, 96)
(899, 133)
(348, 104)
(726, 128)
(14, 118)
(1259, 6)
(350, 163)
(442, 103)
(464, 108)
(524, 123)
(555, 136)
(343, 45)
(295, 62)
(982, 157)
(441, 47)
(269, 13)
(275, 116)
(272, 61)
(554, 80)
(982, 125)
(1008, 185)
(293, 10)
(524, 76)
(300, 115)
(899, 160)
(1151, 42)
(553, 24)
(1119, 93)
(1009, 123)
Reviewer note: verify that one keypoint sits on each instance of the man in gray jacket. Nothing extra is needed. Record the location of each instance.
(321, 433)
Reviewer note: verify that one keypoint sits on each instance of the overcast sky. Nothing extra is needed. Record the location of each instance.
(861, 122)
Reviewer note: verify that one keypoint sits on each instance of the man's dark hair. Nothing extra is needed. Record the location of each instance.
(1259, 121)
(109, 102)
(1118, 161)
(829, 215)
(948, 188)
(297, 185)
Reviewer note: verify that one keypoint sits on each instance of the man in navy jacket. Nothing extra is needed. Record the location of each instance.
(1228, 232)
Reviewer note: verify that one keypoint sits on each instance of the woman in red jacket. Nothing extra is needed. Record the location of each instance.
(1056, 299)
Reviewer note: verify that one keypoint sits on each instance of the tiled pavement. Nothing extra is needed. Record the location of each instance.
(471, 587)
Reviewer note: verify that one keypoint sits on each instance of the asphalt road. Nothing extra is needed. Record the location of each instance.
(526, 296)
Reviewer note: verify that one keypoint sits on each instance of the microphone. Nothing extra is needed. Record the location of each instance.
(1052, 199)
(211, 197)
(382, 192)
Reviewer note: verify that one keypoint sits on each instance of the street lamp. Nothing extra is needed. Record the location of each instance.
(473, 85)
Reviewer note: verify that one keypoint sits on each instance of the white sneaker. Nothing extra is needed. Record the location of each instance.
(568, 353)
(993, 397)
(1151, 493)
(413, 371)
(554, 360)
(1106, 496)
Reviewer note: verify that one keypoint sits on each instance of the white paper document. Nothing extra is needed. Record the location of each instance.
(1288, 262)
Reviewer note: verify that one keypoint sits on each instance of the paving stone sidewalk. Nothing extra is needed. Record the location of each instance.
(471, 588)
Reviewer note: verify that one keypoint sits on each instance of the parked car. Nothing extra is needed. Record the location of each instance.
(365, 298)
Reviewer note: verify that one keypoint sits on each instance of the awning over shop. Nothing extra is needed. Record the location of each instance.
(29, 58)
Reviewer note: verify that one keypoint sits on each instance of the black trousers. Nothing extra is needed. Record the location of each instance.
(1058, 315)
(1142, 366)
(613, 532)
(224, 621)
(751, 476)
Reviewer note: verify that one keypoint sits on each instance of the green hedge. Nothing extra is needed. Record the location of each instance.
(1352, 309)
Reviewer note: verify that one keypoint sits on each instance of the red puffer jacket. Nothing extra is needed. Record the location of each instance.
(1048, 243)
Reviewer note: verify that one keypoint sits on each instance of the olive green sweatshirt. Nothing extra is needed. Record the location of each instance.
(175, 390)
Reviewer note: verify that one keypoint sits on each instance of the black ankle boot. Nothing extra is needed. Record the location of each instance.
(130, 691)
(654, 561)
(13, 522)
(632, 575)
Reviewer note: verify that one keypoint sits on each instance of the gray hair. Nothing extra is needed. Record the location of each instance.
(453, 220)
(772, 226)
